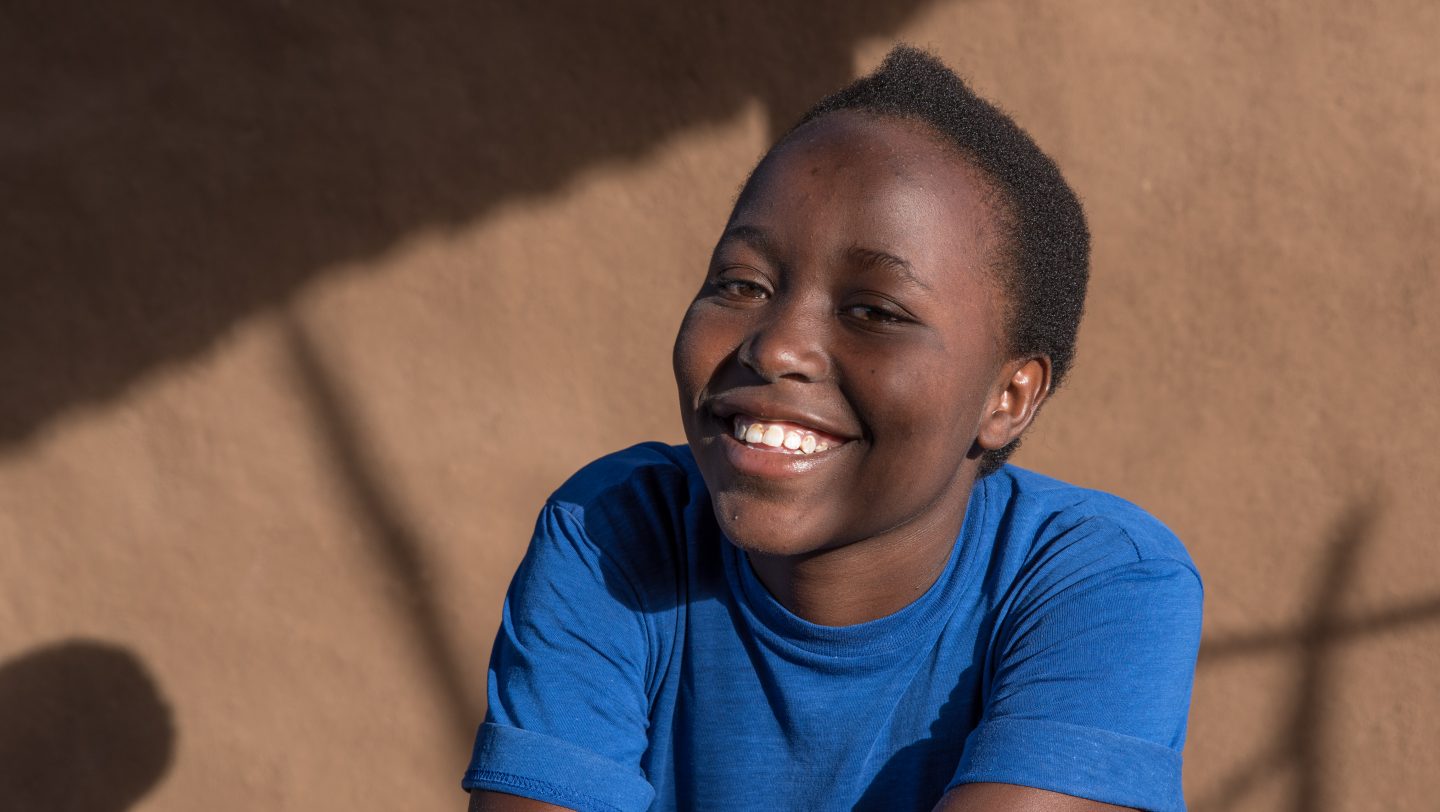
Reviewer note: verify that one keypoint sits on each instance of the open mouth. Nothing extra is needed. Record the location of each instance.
(781, 437)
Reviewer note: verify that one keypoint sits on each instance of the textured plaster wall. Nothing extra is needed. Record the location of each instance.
(305, 307)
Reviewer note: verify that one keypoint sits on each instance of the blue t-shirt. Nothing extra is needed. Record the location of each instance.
(640, 664)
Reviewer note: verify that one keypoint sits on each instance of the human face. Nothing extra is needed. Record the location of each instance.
(849, 303)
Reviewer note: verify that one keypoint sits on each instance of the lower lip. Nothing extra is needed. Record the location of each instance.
(747, 459)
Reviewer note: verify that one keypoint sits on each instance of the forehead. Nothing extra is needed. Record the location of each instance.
(859, 180)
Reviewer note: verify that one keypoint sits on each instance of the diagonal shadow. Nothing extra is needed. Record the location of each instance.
(1300, 744)
(399, 548)
(169, 167)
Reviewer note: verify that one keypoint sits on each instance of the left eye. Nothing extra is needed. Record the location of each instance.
(874, 314)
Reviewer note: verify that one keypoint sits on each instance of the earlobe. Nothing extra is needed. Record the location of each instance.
(1013, 405)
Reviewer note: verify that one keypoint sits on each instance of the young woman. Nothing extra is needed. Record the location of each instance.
(838, 595)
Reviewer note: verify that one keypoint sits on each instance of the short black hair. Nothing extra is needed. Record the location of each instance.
(1046, 261)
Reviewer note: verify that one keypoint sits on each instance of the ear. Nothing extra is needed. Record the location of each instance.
(1022, 387)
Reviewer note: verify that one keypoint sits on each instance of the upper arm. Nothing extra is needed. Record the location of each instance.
(964, 798)
(1089, 681)
(485, 801)
(568, 714)
(988, 797)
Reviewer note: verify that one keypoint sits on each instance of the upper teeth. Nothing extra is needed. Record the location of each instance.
(777, 435)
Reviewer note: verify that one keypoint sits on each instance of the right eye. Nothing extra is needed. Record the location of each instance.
(741, 284)
(741, 289)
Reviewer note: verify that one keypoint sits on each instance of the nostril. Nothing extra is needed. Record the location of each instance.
(775, 354)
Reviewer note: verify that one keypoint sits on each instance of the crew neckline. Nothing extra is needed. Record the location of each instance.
(880, 638)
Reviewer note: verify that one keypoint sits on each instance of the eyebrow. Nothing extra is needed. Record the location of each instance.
(756, 238)
(866, 258)
(874, 258)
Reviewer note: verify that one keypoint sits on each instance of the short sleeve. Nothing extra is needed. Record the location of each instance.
(568, 710)
(1090, 676)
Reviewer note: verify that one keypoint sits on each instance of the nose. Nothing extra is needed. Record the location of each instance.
(786, 344)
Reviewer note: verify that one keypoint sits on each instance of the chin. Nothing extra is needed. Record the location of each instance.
(770, 530)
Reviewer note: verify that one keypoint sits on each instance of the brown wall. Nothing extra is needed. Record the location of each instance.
(306, 306)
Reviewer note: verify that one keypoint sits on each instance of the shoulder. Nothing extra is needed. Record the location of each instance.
(1047, 524)
(1092, 654)
(647, 471)
(633, 511)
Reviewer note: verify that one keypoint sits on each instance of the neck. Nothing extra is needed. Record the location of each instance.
(871, 578)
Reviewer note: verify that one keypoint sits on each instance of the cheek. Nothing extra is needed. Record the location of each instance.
(700, 346)
(925, 411)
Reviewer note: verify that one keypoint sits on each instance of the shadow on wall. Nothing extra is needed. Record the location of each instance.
(172, 167)
(397, 546)
(83, 727)
(1299, 749)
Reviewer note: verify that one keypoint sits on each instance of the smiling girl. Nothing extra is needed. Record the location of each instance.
(838, 595)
